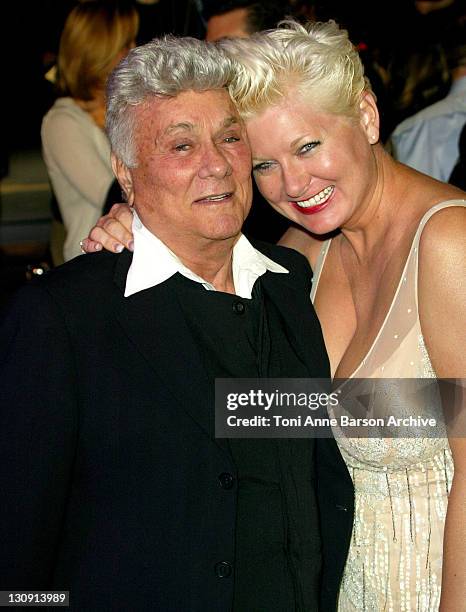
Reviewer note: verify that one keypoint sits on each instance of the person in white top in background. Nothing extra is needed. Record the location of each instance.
(76, 151)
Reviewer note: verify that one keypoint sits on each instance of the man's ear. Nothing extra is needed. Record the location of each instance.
(124, 177)
(369, 117)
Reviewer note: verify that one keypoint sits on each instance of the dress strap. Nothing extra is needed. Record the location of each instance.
(431, 212)
(319, 266)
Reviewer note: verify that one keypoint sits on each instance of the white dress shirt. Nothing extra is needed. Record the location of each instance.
(154, 263)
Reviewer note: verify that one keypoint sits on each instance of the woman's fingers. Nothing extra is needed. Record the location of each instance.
(90, 246)
(112, 232)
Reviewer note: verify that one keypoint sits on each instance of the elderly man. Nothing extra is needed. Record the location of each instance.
(113, 484)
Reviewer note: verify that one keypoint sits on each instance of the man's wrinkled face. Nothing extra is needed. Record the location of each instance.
(192, 184)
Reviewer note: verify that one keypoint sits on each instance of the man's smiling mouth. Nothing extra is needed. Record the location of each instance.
(217, 197)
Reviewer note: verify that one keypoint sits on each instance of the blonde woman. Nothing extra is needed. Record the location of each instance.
(96, 36)
(388, 289)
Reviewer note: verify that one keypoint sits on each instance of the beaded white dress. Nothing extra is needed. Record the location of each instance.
(401, 484)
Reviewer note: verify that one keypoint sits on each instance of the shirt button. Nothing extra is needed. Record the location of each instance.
(239, 307)
(226, 480)
(223, 569)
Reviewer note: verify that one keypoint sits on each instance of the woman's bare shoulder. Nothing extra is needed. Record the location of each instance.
(444, 232)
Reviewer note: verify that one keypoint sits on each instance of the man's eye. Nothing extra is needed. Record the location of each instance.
(309, 146)
(232, 139)
(182, 147)
(262, 167)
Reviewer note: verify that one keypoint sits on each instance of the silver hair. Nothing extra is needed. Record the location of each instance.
(317, 61)
(163, 67)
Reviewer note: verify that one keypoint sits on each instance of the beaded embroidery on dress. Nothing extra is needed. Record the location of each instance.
(401, 485)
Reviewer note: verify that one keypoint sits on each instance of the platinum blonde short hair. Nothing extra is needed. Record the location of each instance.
(318, 61)
(164, 67)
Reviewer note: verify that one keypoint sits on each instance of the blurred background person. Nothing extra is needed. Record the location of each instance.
(179, 17)
(417, 66)
(231, 18)
(76, 151)
(429, 140)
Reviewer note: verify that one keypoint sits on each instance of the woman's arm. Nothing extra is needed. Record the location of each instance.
(442, 311)
(113, 233)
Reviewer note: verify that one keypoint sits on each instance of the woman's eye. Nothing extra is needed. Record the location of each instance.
(229, 139)
(262, 167)
(309, 146)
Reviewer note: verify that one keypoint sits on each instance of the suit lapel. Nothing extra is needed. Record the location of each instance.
(156, 325)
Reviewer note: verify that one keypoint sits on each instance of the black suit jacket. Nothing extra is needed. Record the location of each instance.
(109, 470)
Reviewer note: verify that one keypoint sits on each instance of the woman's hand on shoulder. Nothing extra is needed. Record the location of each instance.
(112, 232)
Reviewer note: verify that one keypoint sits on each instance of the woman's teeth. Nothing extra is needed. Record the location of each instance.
(319, 198)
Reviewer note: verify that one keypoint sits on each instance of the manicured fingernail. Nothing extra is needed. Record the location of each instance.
(98, 247)
(131, 245)
(118, 248)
